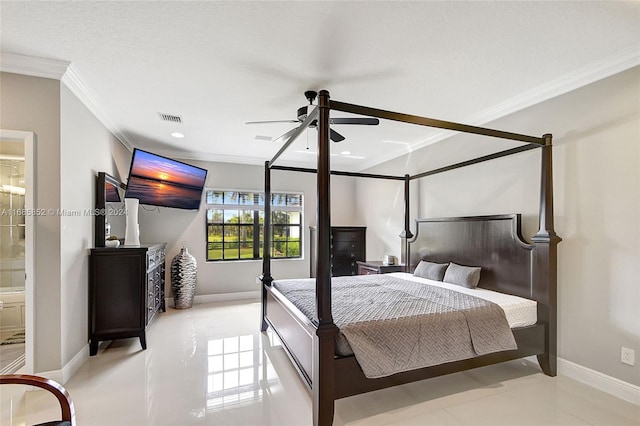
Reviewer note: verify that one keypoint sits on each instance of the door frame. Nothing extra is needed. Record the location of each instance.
(29, 141)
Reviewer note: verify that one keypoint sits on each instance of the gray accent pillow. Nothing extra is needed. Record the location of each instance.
(430, 270)
(465, 276)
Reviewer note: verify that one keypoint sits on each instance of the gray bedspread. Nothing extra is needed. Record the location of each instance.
(393, 325)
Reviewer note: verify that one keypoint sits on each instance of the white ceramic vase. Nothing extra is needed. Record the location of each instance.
(132, 230)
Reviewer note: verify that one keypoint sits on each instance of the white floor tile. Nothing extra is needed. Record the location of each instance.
(210, 365)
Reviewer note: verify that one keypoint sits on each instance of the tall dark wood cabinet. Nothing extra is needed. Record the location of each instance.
(126, 290)
(348, 245)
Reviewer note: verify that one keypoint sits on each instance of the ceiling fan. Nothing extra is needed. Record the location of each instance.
(302, 115)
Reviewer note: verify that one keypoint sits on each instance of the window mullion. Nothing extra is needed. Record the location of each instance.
(256, 233)
(238, 238)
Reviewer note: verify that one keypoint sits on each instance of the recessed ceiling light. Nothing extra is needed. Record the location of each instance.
(177, 135)
(346, 153)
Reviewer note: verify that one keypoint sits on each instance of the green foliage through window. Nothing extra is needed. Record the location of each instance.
(235, 225)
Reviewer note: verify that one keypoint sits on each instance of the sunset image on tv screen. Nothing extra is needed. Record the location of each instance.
(160, 181)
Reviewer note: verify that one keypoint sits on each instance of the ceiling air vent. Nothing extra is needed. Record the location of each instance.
(169, 117)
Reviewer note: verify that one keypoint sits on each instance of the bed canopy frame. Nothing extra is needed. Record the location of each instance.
(333, 378)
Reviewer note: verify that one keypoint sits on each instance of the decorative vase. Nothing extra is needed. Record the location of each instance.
(132, 229)
(112, 243)
(183, 279)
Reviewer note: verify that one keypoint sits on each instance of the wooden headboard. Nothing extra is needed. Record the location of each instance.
(492, 242)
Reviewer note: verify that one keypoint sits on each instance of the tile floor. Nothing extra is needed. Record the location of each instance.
(210, 365)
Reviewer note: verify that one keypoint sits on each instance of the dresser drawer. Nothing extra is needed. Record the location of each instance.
(346, 256)
(345, 246)
(347, 235)
(343, 263)
(344, 271)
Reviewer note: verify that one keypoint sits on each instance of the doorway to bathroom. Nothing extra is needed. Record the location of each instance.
(16, 251)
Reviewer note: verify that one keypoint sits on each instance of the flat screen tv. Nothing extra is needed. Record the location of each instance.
(160, 181)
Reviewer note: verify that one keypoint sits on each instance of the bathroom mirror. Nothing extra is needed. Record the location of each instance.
(110, 215)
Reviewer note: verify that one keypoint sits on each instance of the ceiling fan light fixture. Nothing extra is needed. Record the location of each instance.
(303, 113)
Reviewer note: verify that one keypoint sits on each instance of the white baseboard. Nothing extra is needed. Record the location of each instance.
(222, 297)
(63, 375)
(70, 368)
(611, 385)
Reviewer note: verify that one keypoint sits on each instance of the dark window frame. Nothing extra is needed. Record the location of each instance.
(286, 224)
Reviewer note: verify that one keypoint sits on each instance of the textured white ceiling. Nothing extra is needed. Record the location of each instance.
(220, 64)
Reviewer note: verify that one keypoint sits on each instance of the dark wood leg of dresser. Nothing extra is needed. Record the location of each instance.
(143, 340)
(93, 347)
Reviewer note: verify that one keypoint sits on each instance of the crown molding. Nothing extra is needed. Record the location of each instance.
(595, 71)
(234, 159)
(69, 76)
(76, 83)
(32, 66)
(216, 158)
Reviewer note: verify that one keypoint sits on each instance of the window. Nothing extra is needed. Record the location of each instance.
(235, 225)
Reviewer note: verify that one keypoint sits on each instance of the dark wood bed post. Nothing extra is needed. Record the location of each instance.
(406, 234)
(545, 259)
(323, 380)
(266, 277)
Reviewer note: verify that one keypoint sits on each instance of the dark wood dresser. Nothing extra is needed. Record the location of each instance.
(377, 267)
(348, 245)
(126, 290)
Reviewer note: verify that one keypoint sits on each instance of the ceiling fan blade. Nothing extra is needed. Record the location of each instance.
(272, 121)
(367, 121)
(286, 135)
(335, 136)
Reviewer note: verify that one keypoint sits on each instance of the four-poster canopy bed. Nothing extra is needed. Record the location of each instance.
(494, 243)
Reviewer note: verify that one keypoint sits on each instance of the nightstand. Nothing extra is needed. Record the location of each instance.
(377, 267)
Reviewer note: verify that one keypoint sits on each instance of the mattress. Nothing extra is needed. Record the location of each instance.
(397, 322)
(520, 312)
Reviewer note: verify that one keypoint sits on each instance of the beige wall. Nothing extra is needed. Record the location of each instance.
(597, 198)
(86, 147)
